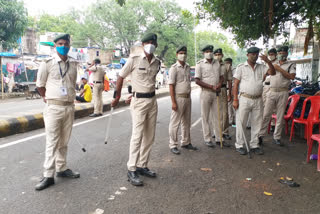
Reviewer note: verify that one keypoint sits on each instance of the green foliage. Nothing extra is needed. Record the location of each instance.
(13, 20)
(249, 20)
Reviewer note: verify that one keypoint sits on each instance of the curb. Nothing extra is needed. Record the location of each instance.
(32, 122)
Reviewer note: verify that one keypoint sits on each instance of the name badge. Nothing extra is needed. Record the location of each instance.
(142, 68)
(63, 91)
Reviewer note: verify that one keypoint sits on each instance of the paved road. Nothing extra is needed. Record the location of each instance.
(15, 107)
(181, 187)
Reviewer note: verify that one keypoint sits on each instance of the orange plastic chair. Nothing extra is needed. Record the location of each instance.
(289, 116)
(315, 137)
(313, 117)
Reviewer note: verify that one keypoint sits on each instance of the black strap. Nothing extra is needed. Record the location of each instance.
(63, 75)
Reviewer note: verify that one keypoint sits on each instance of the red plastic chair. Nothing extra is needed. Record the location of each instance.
(313, 117)
(289, 116)
(315, 137)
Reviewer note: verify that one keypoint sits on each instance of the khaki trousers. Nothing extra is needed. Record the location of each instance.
(180, 117)
(246, 106)
(97, 98)
(266, 89)
(224, 111)
(58, 122)
(144, 116)
(275, 101)
(208, 100)
(231, 112)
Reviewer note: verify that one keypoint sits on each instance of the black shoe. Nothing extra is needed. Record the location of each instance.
(190, 147)
(210, 144)
(278, 142)
(134, 179)
(258, 151)
(175, 151)
(272, 128)
(95, 115)
(146, 172)
(213, 136)
(248, 127)
(68, 174)
(260, 141)
(225, 144)
(242, 151)
(226, 137)
(45, 183)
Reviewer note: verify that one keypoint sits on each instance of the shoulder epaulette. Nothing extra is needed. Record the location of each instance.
(200, 61)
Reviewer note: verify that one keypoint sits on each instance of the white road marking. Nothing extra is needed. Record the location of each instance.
(196, 123)
(43, 134)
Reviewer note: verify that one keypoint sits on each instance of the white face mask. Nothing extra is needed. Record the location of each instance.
(149, 48)
(208, 55)
(273, 57)
(218, 58)
(182, 57)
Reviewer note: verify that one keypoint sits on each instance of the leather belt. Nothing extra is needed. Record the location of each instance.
(250, 96)
(59, 103)
(267, 83)
(183, 95)
(97, 82)
(278, 89)
(144, 95)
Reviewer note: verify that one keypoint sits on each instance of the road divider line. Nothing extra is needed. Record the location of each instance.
(43, 134)
(196, 123)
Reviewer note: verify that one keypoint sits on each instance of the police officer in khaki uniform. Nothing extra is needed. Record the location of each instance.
(248, 80)
(231, 111)
(56, 81)
(209, 77)
(225, 95)
(144, 109)
(180, 89)
(272, 55)
(98, 80)
(278, 95)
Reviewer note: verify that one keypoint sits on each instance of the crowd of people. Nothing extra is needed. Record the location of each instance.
(228, 95)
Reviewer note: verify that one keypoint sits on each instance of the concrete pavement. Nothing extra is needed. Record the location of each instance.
(18, 115)
(204, 181)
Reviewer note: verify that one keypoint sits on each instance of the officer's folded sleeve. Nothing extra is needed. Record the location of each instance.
(42, 75)
(198, 72)
(127, 68)
(237, 74)
(172, 76)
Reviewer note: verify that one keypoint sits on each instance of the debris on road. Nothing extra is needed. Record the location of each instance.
(267, 193)
(206, 169)
(118, 193)
(98, 211)
(264, 161)
(212, 190)
(270, 169)
(290, 183)
(123, 188)
(278, 164)
(248, 179)
(111, 198)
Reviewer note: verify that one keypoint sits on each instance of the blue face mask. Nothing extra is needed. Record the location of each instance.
(63, 50)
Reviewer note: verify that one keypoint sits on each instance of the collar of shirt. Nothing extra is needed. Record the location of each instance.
(206, 61)
(144, 56)
(58, 59)
(179, 64)
(255, 65)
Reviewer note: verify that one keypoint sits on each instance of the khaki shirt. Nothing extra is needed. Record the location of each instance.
(180, 77)
(251, 80)
(49, 76)
(97, 73)
(143, 73)
(227, 73)
(278, 80)
(208, 72)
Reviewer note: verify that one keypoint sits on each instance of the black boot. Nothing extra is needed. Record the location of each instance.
(68, 173)
(190, 147)
(45, 183)
(134, 179)
(146, 172)
(175, 151)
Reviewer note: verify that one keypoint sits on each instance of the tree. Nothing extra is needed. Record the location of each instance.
(13, 20)
(249, 20)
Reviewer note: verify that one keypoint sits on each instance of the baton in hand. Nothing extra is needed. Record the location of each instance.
(109, 122)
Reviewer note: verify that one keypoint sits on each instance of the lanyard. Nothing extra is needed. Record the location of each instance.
(63, 75)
